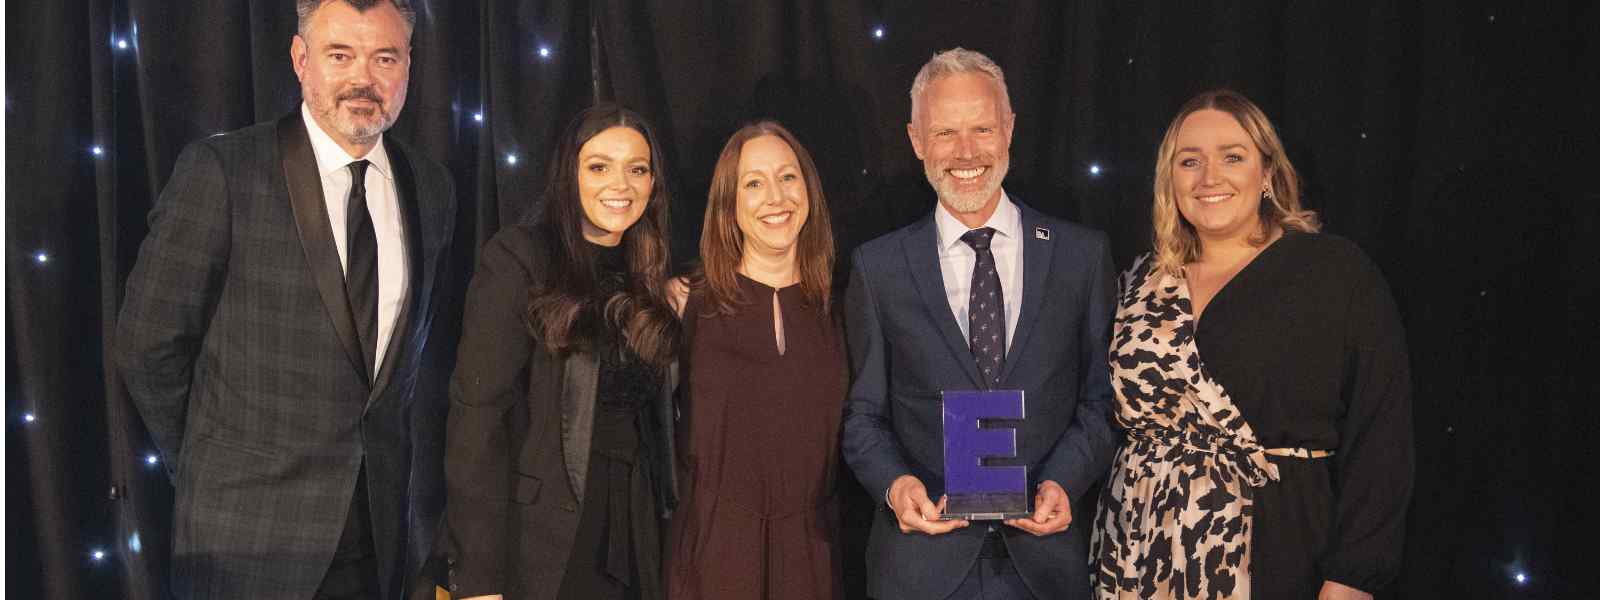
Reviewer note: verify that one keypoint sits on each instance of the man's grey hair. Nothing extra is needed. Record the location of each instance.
(953, 61)
(304, 8)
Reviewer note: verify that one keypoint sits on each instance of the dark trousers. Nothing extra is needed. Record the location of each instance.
(992, 576)
(353, 575)
(992, 579)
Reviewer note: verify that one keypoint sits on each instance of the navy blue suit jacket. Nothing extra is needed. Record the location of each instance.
(905, 347)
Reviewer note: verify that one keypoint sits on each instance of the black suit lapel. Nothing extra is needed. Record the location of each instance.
(406, 192)
(316, 236)
(1037, 251)
(921, 246)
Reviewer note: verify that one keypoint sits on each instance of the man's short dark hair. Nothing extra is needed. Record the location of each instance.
(304, 8)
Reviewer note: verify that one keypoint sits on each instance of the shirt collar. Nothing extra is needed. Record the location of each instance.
(1006, 221)
(331, 157)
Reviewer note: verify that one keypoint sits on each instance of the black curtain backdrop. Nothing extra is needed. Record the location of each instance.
(1453, 141)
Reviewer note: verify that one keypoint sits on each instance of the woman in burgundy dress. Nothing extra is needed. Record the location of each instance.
(766, 382)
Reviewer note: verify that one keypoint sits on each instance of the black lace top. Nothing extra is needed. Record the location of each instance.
(627, 384)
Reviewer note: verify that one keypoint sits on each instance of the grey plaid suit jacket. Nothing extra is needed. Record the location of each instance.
(237, 345)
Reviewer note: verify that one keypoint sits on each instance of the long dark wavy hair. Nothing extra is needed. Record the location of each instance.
(564, 310)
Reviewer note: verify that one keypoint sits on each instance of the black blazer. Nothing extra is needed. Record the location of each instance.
(237, 346)
(521, 421)
(905, 347)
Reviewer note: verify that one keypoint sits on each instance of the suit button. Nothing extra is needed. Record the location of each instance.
(454, 587)
(569, 507)
(450, 561)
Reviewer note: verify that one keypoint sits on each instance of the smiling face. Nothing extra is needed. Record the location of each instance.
(353, 67)
(1218, 176)
(963, 136)
(615, 179)
(772, 200)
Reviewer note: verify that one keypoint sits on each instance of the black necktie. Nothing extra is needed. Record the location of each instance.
(986, 309)
(361, 276)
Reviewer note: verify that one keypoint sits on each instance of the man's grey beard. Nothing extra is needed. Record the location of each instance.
(969, 202)
(346, 126)
(361, 133)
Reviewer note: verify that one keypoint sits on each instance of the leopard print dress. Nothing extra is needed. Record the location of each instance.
(1175, 515)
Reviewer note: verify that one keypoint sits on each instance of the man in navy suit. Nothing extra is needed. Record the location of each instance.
(985, 293)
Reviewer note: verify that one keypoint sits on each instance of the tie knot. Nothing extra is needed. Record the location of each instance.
(978, 238)
(358, 173)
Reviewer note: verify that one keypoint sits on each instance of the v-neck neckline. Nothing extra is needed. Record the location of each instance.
(1226, 285)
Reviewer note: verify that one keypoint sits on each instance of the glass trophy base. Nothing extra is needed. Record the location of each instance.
(984, 516)
(994, 506)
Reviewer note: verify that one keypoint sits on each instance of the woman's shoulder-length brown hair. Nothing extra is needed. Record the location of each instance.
(722, 244)
(1176, 243)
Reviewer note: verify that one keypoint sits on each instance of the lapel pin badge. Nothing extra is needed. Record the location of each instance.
(1042, 233)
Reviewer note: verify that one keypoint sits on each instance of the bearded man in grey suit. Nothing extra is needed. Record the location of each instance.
(275, 322)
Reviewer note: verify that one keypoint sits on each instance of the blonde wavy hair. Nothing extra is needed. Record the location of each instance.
(1176, 243)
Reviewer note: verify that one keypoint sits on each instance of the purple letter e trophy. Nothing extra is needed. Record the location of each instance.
(972, 438)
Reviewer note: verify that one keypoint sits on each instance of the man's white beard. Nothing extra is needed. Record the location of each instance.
(969, 202)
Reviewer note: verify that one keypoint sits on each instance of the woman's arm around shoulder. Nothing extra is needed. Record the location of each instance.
(678, 294)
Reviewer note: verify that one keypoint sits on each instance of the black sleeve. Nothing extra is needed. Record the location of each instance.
(1375, 463)
(490, 378)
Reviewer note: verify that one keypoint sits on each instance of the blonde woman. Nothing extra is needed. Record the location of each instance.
(1261, 378)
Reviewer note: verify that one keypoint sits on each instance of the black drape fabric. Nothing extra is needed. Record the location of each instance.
(1452, 141)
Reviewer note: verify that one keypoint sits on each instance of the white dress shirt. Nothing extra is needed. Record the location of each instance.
(957, 260)
(333, 164)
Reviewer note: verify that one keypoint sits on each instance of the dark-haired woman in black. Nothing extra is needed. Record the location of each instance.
(559, 451)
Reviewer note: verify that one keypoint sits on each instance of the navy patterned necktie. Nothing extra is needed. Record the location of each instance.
(986, 309)
(361, 275)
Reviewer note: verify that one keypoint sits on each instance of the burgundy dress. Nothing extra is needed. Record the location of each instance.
(759, 517)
